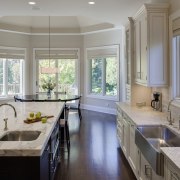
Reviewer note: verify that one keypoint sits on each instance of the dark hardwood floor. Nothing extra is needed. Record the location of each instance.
(95, 152)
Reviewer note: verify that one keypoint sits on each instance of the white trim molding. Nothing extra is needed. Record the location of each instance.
(99, 109)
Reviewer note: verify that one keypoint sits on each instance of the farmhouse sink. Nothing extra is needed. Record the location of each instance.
(150, 138)
(20, 136)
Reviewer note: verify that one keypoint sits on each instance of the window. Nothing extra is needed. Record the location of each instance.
(176, 58)
(103, 68)
(66, 61)
(176, 66)
(11, 71)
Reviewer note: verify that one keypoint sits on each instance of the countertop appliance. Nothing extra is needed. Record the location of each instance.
(156, 102)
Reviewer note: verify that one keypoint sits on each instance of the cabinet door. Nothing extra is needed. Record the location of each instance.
(143, 47)
(171, 172)
(119, 126)
(128, 63)
(133, 151)
(137, 54)
(140, 30)
(125, 137)
(146, 171)
(158, 55)
(45, 169)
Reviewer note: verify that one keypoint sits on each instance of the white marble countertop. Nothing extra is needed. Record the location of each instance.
(28, 148)
(147, 116)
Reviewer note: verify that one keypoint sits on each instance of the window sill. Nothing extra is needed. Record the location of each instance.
(6, 98)
(102, 97)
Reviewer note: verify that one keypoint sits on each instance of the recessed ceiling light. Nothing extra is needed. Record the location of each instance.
(32, 3)
(91, 2)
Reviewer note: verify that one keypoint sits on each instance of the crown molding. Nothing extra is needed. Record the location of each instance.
(61, 33)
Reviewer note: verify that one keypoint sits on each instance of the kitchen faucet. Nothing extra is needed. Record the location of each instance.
(170, 120)
(5, 119)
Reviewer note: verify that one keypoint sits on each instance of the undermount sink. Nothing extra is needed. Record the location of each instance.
(20, 136)
(150, 138)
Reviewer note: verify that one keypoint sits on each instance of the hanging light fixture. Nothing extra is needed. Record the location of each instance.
(49, 70)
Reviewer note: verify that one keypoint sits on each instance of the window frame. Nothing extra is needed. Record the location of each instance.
(88, 75)
(174, 63)
(22, 72)
(35, 67)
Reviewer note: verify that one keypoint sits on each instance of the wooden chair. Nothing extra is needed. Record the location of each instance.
(64, 125)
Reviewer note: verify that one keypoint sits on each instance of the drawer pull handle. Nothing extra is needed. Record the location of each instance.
(148, 171)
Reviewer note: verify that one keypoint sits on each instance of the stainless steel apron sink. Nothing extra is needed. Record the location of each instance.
(150, 138)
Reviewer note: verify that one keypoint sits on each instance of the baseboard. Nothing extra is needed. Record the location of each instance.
(99, 109)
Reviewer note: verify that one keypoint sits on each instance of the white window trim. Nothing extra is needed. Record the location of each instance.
(173, 63)
(88, 94)
(35, 66)
(23, 87)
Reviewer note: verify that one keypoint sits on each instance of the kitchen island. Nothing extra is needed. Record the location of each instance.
(35, 159)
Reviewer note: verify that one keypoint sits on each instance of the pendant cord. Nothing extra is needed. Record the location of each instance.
(49, 41)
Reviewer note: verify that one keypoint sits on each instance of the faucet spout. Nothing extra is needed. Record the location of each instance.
(170, 117)
(6, 104)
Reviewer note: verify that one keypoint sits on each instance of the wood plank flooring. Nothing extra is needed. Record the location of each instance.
(95, 152)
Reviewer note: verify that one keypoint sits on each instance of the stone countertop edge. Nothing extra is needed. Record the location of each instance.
(146, 116)
(35, 147)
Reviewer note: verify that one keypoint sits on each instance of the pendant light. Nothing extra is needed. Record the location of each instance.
(49, 70)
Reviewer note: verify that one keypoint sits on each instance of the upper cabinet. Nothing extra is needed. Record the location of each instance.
(151, 45)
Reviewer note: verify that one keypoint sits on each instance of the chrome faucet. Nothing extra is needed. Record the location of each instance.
(5, 119)
(169, 119)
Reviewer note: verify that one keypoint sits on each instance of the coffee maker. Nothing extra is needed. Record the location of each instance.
(156, 102)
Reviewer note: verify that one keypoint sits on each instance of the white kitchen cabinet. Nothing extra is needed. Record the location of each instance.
(125, 145)
(126, 137)
(146, 171)
(129, 57)
(133, 150)
(151, 45)
(171, 171)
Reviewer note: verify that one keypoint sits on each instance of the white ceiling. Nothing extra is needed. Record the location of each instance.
(68, 13)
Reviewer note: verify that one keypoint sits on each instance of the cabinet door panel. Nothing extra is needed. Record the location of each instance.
(143, 48)
(157, 48)
(133, 151)
(137, 49)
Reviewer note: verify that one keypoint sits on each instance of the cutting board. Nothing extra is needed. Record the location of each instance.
(36, 119)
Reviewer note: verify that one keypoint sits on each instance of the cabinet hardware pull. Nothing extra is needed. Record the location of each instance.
(148, 171)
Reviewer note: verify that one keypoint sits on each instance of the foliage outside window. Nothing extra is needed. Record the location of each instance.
(66, 79)
(11, 73)
(103, 68)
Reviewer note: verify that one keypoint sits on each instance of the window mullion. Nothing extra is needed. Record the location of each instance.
(57, 74)
(21, 76)
(103, 76)
(178, 65)
(5, 77)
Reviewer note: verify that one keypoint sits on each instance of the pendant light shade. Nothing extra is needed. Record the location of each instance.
(49, 70)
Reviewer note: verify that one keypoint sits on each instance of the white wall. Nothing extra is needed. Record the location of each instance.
(21, 41)
(64, 41)
(95, 40)
(175, 5)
